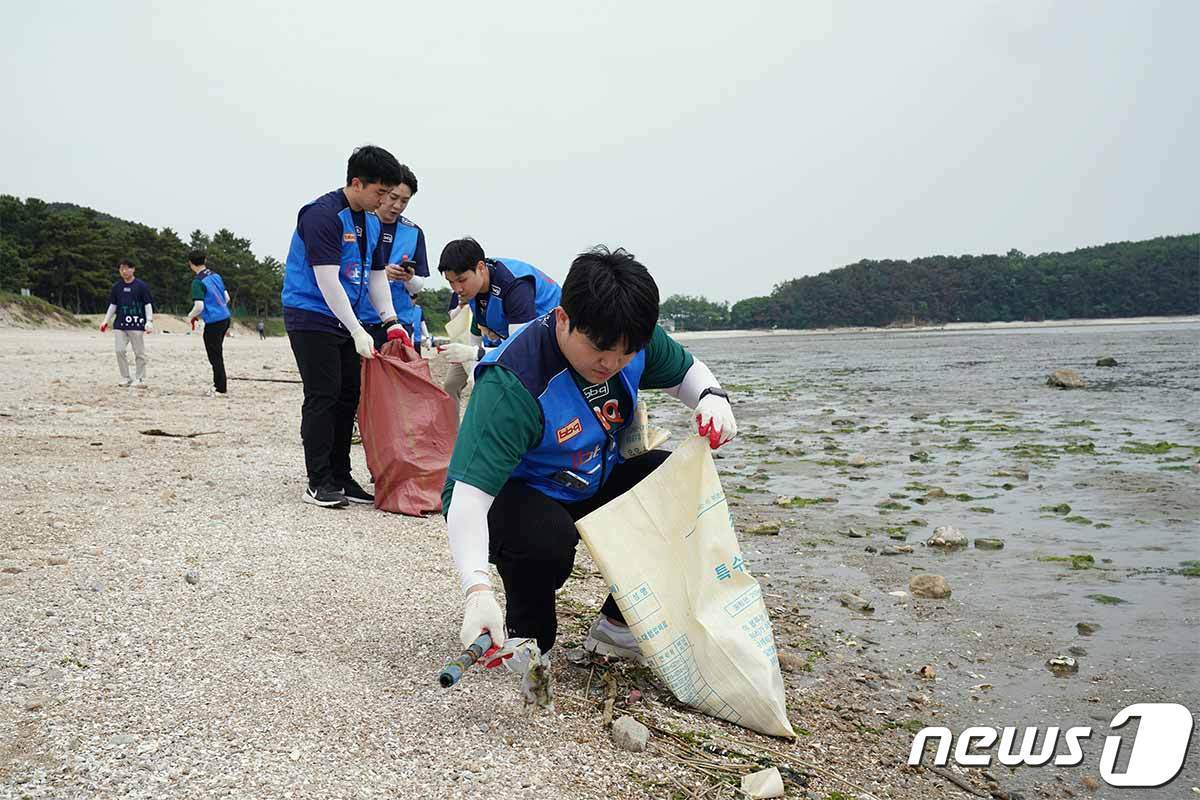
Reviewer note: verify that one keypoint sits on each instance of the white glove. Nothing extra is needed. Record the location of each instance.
(714, 419)
(149, 327)
(363, 342)
(457, 353)
(482, 613)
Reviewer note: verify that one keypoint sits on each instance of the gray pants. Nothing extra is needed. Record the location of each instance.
(456, 381)
(123, 339)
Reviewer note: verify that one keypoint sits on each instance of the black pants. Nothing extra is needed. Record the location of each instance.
(214, 343)
(532, 539)
(329, 369)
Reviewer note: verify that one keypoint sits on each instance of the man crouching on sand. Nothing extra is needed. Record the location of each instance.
(538, 449)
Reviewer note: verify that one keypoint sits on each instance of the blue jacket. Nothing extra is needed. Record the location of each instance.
(573, 439)
(399, 241)
(300, 289)
(215, 307)
(504, 274)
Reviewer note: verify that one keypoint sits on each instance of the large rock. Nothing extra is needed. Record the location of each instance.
(1066, 379)
(947, 537)
(629, 734)
(932, 587)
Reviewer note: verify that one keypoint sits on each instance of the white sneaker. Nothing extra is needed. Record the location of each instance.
(125, 383)
(615, 641)
(138, 384)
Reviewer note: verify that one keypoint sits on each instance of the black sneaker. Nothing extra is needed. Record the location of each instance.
(325, 496)
(355, 493)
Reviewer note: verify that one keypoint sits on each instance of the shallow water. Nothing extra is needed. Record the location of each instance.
(978, 405)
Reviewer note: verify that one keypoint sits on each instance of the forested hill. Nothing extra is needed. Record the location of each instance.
(68, 255)
(1156, 277)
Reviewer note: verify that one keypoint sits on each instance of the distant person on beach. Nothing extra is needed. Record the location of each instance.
(402, 249)
(332, 269)
(539, 447)
(262, 329)
(502, 293)
(210, 302)
(131, 305)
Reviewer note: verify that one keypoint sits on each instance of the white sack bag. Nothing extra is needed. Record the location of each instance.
(671, 557)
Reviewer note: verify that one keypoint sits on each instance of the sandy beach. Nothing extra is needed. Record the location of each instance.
(301, 661)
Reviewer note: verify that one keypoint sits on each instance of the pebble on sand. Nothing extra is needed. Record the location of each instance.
(933, 587)
(629, 734)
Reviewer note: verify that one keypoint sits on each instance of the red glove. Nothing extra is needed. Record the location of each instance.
(103, 327)
(397, 332)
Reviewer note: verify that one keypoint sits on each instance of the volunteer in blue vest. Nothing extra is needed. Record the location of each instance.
(330, 271)
(132, 309)
(210, 302)
(402, 249)
(502, 293)
(538, 447)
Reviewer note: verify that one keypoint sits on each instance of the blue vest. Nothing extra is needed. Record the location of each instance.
(215, 308)
(300, 288)
(404, 243)
(504, 272)
(573, 438)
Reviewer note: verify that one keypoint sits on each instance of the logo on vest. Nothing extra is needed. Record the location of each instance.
(349, 237)
(387, 237)
(569, 431)
(581, 457)
(609, 415)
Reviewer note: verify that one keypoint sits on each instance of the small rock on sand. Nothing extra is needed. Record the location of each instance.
(989, 544)
(1066, 379)
(192, 576)
(947, 536)
(933, 587)
(629, 734)
(1106, 361)
(854, 602)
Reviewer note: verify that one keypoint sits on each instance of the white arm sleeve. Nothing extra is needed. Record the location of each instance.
(227, 298)
(697, 379)
(425, 331)
(415, 284)
(110, 314)
(381, 295)
(468, 526)
(197, 309)
(149, 314)
(335, 295)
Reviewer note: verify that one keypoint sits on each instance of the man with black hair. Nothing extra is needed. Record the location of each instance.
(402, 249)
(330, 274)
(538, 447)
(502, 293)
(132, 308)
(210, 302)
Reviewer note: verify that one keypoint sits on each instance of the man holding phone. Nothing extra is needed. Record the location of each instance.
(402, 248)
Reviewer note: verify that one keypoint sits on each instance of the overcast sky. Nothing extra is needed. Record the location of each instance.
(729, 146)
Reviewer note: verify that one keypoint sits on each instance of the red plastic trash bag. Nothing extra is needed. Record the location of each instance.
(408, 425)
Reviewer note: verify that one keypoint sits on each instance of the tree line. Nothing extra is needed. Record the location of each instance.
(1155, 277)
(68, 255)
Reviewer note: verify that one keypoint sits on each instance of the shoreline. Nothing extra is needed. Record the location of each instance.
(949, 327)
